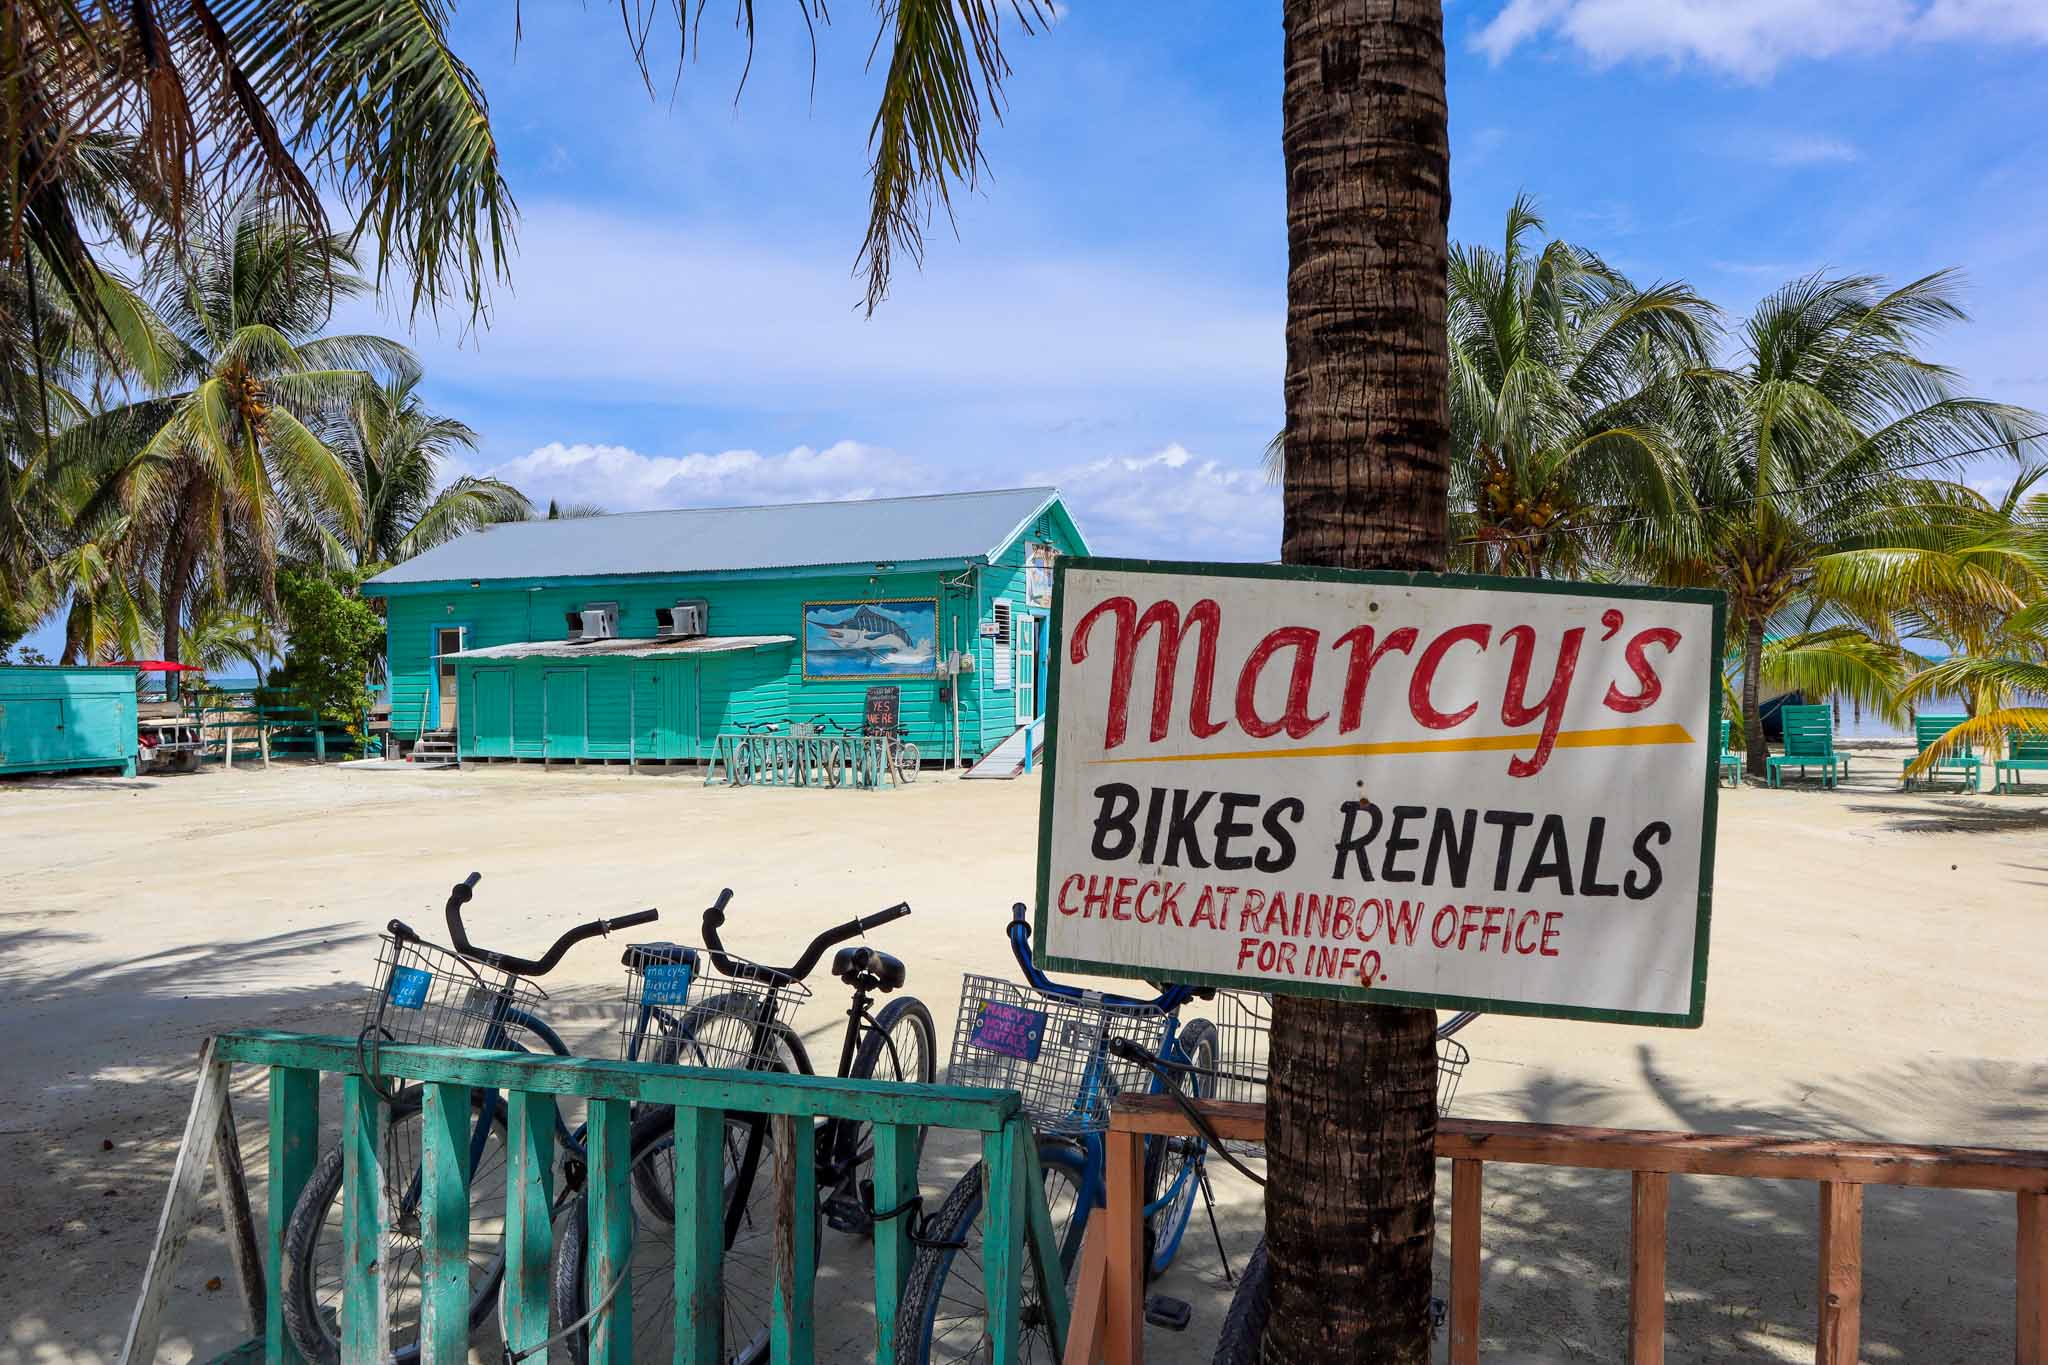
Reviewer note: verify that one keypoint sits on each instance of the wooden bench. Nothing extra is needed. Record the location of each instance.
(2027, 754)
(1964, 766)
(1730, 763)
(1809, 743)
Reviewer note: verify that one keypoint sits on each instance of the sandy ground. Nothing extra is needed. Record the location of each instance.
(1875, 974)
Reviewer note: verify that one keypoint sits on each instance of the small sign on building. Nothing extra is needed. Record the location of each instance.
(1412, 789)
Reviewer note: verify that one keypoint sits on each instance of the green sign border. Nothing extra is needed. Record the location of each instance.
(1299, 573)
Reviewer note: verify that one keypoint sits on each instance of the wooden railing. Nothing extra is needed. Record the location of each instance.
(1109, 1304)
(1019, 1227)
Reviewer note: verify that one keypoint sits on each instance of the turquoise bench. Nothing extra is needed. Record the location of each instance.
(1809, 744)
(1730, 762)
(1963, 764)
(2027, 753)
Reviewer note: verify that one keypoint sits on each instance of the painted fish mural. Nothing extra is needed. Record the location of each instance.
(889, 638)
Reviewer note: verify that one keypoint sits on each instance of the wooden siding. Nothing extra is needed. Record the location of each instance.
(731, 689)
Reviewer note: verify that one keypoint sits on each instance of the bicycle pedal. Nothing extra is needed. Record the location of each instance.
(1172, 1314)
(843, 1213)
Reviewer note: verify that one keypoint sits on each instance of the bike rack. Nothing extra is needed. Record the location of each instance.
(1017, 1227)
(793, 760)
(1109, 1305)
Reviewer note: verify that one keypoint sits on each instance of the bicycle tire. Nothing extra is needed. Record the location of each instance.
(879, 1048)
(306, 1317)
(1244, 1324)
(907, 758)
(926, 1337)
(1197, 1045)
(653, 1263)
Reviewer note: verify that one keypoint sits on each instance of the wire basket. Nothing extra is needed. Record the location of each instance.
(424, 993)
(1051, 1050)
(681, 1013)
(1244, 1036)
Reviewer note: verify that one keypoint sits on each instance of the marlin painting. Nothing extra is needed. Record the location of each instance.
(889, 638)
(867, 629)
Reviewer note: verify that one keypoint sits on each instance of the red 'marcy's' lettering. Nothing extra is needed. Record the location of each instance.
(1165, 617)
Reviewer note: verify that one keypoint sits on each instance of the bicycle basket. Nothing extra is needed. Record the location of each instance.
(1244, 1035)
(680, 1012)
(1051, 1051)
(424, 993)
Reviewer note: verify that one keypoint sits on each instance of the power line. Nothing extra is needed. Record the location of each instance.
(1749, 500)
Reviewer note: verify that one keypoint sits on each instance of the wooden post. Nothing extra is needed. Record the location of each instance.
(1841, 1273)
(1466, 1179)
(1650, 1202)
(791, 1329)
(227, 750)
(365, 1309)
(294, 1148)
(1124, 1268)
(444, 1225)
(181, 1208)
(700, 1233)
(529, 1235)
(2031, 1267)
(1088, 1327)
(895, 1184)
(1002, 1244)
(608, 1147)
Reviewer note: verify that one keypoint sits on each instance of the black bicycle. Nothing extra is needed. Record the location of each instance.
(742, 1019)
(428, 994)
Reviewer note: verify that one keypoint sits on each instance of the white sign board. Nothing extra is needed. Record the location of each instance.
(1479, 793)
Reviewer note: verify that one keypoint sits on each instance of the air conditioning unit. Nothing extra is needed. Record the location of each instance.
(682, 621)
(594, 623)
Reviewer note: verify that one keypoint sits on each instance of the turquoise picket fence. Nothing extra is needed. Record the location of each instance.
(1017, 1228)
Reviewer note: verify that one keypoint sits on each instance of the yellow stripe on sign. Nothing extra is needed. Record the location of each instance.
(1615, 737)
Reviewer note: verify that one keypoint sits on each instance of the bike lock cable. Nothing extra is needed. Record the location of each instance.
(1167, 1072)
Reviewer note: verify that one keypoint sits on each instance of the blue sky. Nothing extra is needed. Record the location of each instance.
(683, 327)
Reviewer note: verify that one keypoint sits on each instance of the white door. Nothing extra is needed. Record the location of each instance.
(1026, 670)
(447, 640)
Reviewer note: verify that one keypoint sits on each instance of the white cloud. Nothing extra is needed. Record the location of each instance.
(621, 479)
(613, 307)
(1750, 39)
(1808, 150)
(1171, 503)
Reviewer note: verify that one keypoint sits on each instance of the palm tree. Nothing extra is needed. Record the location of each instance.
(223, 463)
(394, 449)
(1802, 461)
(1999, 663)
(1351, 1104)
(1562, 375)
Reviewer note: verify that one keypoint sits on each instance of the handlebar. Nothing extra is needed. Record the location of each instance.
(801, 968)
(460, 895)
(1169, 998)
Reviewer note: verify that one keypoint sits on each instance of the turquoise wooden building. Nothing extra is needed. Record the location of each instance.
(67, 719)
(643, 636)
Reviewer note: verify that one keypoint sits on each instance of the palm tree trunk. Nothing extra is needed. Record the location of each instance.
(1752, 687)
(1351, 1108)
(181, 561)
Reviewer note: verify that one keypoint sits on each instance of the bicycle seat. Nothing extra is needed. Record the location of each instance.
(887, 972)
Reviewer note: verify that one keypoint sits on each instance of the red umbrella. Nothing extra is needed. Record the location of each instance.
(156, 666)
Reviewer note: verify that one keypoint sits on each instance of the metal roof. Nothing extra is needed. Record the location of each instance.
(945, 526)
(638, 648)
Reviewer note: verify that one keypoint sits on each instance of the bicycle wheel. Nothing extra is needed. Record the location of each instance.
(944, 1318)
(1244, 1325)
(906, 758)
(749, 1267)
(902, 1046)
(1173, 1165)
(313, 1238)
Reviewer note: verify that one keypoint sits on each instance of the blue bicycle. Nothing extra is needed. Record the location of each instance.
(1058, 1046)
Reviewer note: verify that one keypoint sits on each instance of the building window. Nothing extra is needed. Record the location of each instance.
(1001, 643)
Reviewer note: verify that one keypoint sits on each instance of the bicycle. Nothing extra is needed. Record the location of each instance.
(901, 755)
(1058, 1047)
(746, 1025)
(427, 994)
